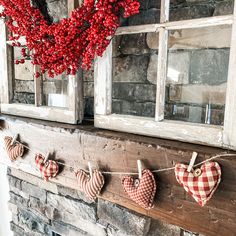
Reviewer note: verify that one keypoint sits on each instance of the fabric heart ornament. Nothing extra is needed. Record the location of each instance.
(13, 150)
(48, 169)
(200, 183)
(142, 191)
(90, 185)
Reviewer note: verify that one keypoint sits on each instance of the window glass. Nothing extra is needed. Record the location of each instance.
(185, 10)
(134, 75)
(55, 91)
(197, 74)
(22, 74)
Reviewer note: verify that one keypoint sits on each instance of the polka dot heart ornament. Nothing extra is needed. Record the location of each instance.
(200, 183)
(142, 190)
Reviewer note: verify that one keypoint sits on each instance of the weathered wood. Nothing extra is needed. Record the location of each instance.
(5, 67)
(230, 107)
(42, 112)
(38, 88)
(112, 151)
(103, 83)
(178, 130)
(161, 74)
(177, 25)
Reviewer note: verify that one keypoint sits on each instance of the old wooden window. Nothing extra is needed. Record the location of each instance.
(191, 95)
(58, 99)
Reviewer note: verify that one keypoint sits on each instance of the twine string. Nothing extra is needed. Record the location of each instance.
(220, 155)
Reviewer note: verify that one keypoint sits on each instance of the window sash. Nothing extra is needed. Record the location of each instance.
(158, 127)
(73, 114)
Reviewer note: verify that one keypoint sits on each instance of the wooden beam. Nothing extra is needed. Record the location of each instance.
(114, 151)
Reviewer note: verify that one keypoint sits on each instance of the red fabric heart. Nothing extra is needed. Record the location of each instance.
(201, 187)
(90, 185)
(13, 150)
(141, 191)
(49, 169)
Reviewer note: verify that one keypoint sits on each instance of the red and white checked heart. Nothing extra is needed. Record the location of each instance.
(202, 187)
(13, 150)
(141, 191)
(90, 185)
(49, 169)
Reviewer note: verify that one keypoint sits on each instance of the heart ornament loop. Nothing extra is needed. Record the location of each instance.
(48, 169)
(14, 150)
(201, 183)
(143, 190)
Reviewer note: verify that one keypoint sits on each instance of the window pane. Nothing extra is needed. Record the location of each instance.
(23, 80)
(55, 91)
(185, 10)
(134, 76)
(197, 74)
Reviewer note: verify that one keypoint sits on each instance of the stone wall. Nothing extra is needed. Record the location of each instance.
(39, 208)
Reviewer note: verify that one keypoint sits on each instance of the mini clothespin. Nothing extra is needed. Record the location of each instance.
(192, 161)
(14, 139)
(139, 163)
(46, 157)
(90, 169)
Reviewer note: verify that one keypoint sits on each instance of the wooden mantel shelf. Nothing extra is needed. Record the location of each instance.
(114, 151)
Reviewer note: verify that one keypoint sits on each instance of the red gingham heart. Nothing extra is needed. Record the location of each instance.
(141, 191)
(13, 150)
(49, 169)
(203, 186)
(90, 185)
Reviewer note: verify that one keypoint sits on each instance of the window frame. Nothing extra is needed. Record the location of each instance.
(73, 114)
(220, 136)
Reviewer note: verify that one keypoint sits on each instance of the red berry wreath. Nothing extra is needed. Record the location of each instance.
(71, 43)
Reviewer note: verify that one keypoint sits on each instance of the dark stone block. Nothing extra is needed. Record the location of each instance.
(224, 8)
(18, 200)
(192, 12)
(126, 221)
(14, 182)
(134, 44)
(33, 222)
(130, 69)
(24, 98)
(88, 107)
(209, 66)
(150, 16)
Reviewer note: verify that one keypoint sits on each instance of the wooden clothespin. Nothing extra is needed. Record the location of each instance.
(139, 163)
(14, 139)
(90, 169)
(192, 161)
(46, 157)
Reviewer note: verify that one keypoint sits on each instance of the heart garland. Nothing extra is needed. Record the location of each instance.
(90, 185)
(142, 191)
(13, 150)
(48, 169)
(201, 183)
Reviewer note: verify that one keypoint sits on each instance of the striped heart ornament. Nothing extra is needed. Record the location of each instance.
(13, 150)
(142, 191)
(90, 185)
(200, 183)
(48, 169)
